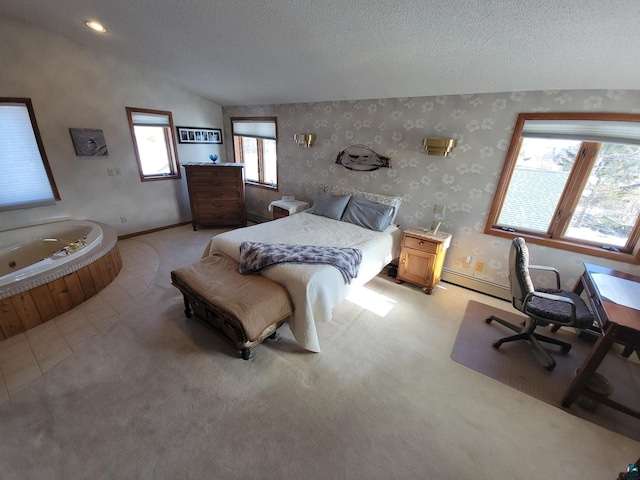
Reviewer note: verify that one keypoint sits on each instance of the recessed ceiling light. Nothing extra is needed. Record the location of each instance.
(95, 26)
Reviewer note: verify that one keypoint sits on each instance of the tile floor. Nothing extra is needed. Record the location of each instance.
(25, 357)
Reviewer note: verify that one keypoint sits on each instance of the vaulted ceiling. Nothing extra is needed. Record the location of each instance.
(250, 52)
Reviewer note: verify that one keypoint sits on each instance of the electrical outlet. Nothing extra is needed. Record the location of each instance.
(439, 209)
(123, 219)
(479, 266)
(118, 172)
(111, 172)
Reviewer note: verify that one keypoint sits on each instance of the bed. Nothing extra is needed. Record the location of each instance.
(315, 289)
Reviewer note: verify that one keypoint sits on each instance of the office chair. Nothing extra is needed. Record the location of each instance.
(561, 308)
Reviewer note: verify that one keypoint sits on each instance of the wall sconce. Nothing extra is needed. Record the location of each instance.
(439, 146)
(304, 139)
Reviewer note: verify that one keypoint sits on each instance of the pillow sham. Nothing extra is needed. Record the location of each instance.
(330, 206)
(391, 200)
(368, 214)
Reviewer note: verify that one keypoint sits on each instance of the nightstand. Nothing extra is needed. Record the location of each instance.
(284, 208)
(422, 256)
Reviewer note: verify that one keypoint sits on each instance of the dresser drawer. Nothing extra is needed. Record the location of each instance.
(212, 184)
(213, 196)
(208, 208)
(208, 174)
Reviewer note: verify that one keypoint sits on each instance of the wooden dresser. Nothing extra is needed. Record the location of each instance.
(422, 256)
(216, 194)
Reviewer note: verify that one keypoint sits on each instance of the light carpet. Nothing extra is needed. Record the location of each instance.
(159, 396)
(518, 365)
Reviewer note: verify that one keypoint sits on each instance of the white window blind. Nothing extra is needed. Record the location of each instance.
(255, 129)
(150, 119)
(24, 181)
(585, 130)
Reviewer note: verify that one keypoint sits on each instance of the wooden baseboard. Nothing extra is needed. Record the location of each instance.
(158, 229)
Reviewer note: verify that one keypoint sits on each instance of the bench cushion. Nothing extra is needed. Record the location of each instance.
(255, 301)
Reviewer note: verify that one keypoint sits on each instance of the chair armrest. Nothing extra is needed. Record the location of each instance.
(545, 268)
(549, 296)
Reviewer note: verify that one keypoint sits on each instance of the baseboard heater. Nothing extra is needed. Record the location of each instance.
(477, 284)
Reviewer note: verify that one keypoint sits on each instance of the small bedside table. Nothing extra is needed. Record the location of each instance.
(422, 256)
(282, 208)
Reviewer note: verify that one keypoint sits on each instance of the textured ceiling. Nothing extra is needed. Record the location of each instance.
(250, 52)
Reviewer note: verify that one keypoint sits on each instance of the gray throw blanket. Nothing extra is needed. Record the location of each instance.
(255, 256)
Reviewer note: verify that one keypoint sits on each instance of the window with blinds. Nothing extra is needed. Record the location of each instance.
(572, 180)
(254, 145)
(154, 144)
(26, 179)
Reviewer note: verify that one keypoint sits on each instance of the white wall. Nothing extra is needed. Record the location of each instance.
(465, 182)
(73, 87)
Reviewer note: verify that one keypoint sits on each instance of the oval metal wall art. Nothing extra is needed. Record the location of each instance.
(362, 158)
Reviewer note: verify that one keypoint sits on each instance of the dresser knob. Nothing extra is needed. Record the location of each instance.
(421, 243)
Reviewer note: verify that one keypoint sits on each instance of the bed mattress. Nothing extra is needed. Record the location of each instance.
(314, 289)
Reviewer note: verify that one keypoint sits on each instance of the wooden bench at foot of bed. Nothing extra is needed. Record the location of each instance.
(244, 309)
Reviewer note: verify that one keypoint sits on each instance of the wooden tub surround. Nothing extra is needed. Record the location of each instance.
(44, 300)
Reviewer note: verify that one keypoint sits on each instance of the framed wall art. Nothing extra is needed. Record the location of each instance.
(199, 135)
(89, 142)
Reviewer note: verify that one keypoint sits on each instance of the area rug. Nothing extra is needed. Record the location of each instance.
(517, 365)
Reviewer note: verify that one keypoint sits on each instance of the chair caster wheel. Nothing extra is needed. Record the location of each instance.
(246, 353)
(488, 320)
(497, 344)
(550, 366)
(566, 348)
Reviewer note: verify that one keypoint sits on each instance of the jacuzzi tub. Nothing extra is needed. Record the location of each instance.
(47, 269)
(30, 251)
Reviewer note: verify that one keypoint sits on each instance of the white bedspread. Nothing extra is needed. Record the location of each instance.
(314, 289)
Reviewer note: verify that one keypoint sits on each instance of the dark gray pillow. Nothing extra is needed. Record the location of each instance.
(330, 206)
(368, 214)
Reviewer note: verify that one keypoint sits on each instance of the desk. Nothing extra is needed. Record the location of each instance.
(618, 324)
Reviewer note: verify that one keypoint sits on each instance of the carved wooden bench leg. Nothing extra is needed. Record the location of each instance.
(187, 306)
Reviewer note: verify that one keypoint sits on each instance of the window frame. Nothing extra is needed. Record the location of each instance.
(238, 151)
(170, 142)
(576, 182)
(43, 155)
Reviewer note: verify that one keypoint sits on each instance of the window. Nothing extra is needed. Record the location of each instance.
(254, 144)
(572, 181)
(154, 144)
(26, 179)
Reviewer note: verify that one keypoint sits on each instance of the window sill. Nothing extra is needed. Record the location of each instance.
(160, 177)
(262, 185)
(569, 245)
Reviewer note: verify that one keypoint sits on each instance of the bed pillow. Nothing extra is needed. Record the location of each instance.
(368, 214)
(391, 200)
(330, 206)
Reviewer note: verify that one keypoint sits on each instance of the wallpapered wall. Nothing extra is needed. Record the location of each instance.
(465, 181)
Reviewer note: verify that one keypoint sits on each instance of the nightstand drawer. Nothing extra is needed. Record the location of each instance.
(420, 244)
(279, 212)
